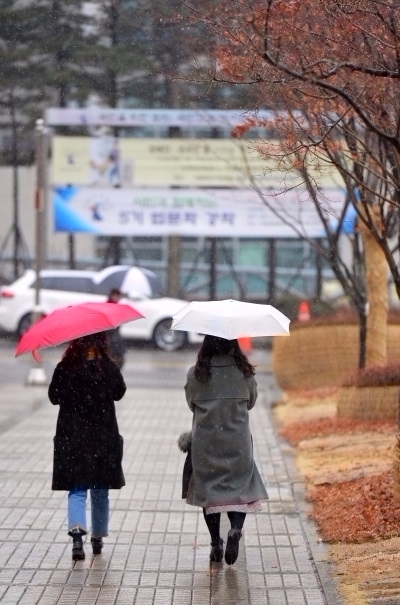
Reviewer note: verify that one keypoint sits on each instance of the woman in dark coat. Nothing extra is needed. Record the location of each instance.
(87, 444)
(220, 391)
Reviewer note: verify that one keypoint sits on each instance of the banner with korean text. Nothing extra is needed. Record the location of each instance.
(191, 187)
(134, 162)
(195, 212)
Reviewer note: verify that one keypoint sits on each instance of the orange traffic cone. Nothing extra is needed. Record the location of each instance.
(303, 311)
(245, 344)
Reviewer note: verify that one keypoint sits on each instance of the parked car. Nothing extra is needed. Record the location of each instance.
(59, 288)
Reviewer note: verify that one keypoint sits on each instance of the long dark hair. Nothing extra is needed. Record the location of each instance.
(214, 345)
(78, 349)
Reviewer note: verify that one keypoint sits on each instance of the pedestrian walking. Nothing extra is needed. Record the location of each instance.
(87, 446)
(115, 343)
(220, 391)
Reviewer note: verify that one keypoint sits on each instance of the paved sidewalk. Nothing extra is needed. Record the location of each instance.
(158, 548)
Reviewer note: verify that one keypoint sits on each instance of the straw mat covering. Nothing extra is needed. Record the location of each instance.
(369, 403)
(396, 468)
(320, 356)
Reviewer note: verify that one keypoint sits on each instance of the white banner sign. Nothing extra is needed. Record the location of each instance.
(133, 162)
(192, 212)
(97, 116)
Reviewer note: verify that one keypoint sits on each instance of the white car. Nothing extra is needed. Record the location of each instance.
(59, 288)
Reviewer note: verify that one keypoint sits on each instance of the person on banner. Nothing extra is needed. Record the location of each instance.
(220, 390)
(115, 342)
(87, 445)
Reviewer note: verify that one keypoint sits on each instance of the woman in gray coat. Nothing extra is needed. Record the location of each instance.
(220, 391)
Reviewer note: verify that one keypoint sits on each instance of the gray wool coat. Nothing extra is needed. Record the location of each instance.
(224, 471)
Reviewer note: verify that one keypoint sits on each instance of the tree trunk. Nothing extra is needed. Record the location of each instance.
(362, 335)
(173, 268)
(174, 241)
(377, 295)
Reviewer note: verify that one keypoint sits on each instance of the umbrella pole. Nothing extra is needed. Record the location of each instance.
(36, 374)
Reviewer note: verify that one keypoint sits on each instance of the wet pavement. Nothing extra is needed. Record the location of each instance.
(158, 548)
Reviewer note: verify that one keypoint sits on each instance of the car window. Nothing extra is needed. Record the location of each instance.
(114, 280)
(67, 284)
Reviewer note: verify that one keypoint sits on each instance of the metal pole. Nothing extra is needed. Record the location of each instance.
(71, 251)
(36, 375)
(17, 243)
(212, 292)
(318, 272)
(271, 262)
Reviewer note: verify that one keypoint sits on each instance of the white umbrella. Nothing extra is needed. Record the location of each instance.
(231, 319)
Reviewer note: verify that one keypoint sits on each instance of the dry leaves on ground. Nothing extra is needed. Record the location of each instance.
(319, 427)
(348, 469)
(357, 511)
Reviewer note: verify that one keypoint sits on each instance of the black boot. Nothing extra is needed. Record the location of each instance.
(78, 554)
(97, 545)
(217, 550)
(232, 545)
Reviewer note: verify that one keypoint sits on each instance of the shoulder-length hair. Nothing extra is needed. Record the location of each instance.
(78, 349)
(214, 345)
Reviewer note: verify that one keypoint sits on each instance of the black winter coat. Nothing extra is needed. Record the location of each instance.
(87, 446)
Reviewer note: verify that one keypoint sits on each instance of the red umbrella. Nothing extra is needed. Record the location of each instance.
(68, 323)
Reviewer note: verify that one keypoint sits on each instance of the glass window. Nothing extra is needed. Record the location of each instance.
(67, 284)
(192, 250)
(46, 283)
(190, 255)
(248, 257)
(147, 249)
(136, 250)
(256, 286)
(290, 253)
(226, 287)
(148, 254)
(224, 252)
(147, 240)
(251, 253)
